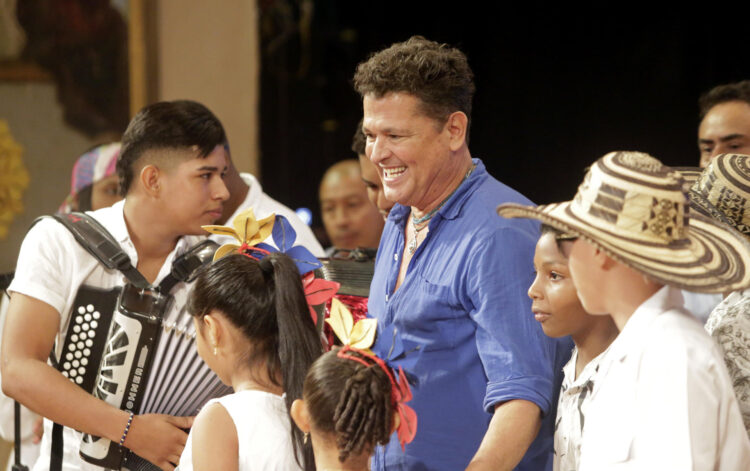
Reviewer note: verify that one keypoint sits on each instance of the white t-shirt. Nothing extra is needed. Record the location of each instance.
(263, 432)
(51, 267)
(263, 205)
(665, 400)
(575, 396)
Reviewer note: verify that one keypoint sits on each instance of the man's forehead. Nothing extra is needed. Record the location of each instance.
(732, 114)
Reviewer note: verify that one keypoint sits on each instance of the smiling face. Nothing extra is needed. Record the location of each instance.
(555, 303)
(724, 129)
(191, 193)
(411, 151)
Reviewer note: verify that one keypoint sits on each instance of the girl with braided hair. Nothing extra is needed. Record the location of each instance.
(347, 408)
(254, 330)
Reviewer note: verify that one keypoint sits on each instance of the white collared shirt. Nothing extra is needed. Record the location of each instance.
(575, 396)
(51, 267)
(665, 400)
(729, 325)
(263, 205)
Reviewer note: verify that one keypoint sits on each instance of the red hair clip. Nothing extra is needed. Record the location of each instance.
(400, 393)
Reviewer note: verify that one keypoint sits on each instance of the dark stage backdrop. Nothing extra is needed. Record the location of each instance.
(553, 93)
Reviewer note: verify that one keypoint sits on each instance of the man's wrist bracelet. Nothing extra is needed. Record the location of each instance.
(127, 429)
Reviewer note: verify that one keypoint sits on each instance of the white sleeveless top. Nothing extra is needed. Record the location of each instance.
(263, 432)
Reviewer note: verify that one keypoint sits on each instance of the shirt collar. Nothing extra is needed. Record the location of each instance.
(452, 208)
(119, 230)
(663, 300)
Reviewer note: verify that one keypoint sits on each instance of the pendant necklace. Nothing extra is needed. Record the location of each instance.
(420, 223)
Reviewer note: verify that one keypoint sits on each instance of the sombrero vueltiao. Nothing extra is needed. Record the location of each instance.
(635, 209)
(722, 191)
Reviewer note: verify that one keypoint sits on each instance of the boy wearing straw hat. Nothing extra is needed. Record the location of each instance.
(723, 192)
(665, 399)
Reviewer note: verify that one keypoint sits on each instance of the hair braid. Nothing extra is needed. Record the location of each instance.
(363, 413)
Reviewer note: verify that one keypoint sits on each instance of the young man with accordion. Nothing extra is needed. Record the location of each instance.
(96, 337)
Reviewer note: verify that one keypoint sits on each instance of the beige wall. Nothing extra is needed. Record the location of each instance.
(50, 150)
(210, 54)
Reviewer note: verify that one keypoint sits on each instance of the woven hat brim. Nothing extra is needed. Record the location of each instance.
(712, 258)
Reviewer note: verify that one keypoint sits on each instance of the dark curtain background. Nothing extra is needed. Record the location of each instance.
(554, 92)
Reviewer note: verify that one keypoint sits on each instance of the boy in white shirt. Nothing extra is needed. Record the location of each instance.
(665, 399)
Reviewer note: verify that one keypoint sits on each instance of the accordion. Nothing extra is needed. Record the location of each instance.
(119, 348)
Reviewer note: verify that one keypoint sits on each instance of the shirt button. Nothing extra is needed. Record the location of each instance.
(386, 298)
(395, 257)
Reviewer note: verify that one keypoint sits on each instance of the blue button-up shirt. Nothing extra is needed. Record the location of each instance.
(465, 321)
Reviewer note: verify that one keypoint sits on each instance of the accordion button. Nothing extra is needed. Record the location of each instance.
(89, 343)
(74, 338)
(78, 354)
(76, 328)
(79, 319)
(86, 352)
(87, 317)
(66, 365)
(94, 324)
(90, 308)
(79, 380)
(84, 361)
(80, 345)
(71, 346)
(82, 336)
(85, 327)
(96, 315)
(69, 356)
(73, 373)
(81, 370)
(81, 309)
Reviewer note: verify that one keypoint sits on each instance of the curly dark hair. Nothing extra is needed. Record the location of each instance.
(437, 74)
(737, 91)
(179, 124)
(351, 401)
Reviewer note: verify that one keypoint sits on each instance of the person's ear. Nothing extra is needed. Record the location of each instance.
(457, 125)
(604, 261)
(300, 415)
(213, 331)
(150, 179)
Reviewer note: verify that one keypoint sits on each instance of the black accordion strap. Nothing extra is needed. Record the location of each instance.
(56, 456)
(17, 466)
(101, 245)
(185, 267)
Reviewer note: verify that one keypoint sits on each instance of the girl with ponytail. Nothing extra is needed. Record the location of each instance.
(254, 330)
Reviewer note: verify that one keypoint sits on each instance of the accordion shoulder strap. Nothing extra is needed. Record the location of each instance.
(101, 245)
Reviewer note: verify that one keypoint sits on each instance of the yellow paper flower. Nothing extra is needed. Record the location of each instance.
(14, 178)
(247, 230)
(360, 335)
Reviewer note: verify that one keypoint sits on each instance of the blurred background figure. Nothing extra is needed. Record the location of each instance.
(350, 219)
(370, 174)
(93, 184)
(725, 121)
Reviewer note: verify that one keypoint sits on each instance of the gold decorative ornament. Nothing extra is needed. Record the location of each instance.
(14, 179)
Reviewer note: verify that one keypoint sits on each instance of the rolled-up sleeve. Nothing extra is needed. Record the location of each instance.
(518, 359)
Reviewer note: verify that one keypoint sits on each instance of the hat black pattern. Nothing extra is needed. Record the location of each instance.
(635, 209)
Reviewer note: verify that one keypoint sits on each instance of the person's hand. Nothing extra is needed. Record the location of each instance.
(37, 430)
(158, 438)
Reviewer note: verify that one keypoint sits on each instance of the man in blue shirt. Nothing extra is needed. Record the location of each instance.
(451, 278)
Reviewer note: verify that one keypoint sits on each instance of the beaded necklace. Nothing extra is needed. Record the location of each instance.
(424, 220)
